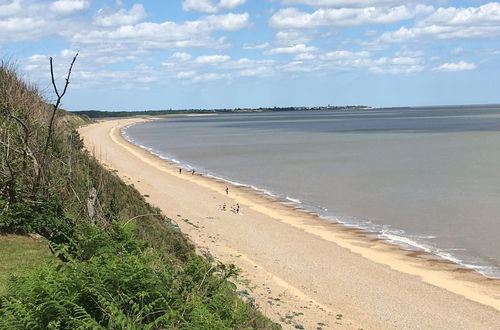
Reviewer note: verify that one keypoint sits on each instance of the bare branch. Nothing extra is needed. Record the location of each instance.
(53, 78)
(59, 97)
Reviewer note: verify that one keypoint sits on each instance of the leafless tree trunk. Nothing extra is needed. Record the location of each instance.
(50, 129)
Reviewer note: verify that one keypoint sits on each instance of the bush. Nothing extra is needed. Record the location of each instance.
(119, 282)
(45, 217)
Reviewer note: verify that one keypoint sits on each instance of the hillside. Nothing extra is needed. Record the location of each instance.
(117, 261)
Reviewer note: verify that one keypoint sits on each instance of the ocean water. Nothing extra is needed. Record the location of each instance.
(424, 178)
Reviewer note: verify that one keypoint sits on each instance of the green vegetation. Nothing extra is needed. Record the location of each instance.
(116, 261)
(18, 254)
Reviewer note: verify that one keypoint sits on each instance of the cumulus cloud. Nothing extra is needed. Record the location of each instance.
(22, 20)
(168, 34)
(107, 17)
(260, 71)
(341, 3)
(485, 15)
(343, 17)
(452, 23)
(185, 74)
(212, 59)
(256, 46)
(69, 7)
(210, 76)
(11, 8)
(300, 48)
(405, 60)
(305, 56)
(451, 67)
(294, 37)
(180, 56)
(396, 69)
(345, 54)
(208, 6)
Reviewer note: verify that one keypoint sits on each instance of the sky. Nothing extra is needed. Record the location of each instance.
(183, 54)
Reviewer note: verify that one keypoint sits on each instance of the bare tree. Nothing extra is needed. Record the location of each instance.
(55, 107)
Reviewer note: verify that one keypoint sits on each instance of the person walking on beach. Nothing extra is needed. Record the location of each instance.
(227, 191)
(237, 208)
(180, 170)
(192, 172)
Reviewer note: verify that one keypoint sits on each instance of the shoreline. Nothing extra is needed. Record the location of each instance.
(403, 242)
(370, 256)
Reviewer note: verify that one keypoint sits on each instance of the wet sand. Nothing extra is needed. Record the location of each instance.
(300, 269)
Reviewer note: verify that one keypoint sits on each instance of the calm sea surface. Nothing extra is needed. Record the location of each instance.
(424, 178)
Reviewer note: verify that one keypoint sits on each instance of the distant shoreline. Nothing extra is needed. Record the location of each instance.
(124, 114)
(106, 114)
(359, 265)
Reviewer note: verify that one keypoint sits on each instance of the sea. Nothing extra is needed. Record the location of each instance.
(426, 178)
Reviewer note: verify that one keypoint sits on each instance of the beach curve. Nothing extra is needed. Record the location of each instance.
(327, 268)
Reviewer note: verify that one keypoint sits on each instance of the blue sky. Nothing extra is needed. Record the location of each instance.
(257, 53)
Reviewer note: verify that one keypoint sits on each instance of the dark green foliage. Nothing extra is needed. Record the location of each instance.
(120, 282)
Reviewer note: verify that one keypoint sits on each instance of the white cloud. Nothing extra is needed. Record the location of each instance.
(11, 8)
(341, 3)
(294, 37)
(452, 23)
(345, 54)
(231, 4)
(166, 35)
(440, 33)
(208, 6)
(261, 71)
(185, 74)
(69, 7)
(109, 18)
(460, 66)
(24, 27)
(405, 60)
(300, 48)
(181, 56)
(486, 15)
(293, 18)
(22, 20)
(210, 76)
(204, 6)
(213, 59)
(305, 56)
(396, 69)
(256, 46)
(299, 67)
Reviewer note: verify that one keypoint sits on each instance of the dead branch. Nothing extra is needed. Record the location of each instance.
(59, 98)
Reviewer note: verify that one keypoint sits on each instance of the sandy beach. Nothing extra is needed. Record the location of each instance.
(299, 269)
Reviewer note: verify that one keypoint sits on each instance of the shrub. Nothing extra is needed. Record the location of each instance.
(122, 283)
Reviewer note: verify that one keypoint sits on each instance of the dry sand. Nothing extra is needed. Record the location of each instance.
(299, 269)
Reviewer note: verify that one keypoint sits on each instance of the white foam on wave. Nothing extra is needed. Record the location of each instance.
(416, 243)
(293, 200)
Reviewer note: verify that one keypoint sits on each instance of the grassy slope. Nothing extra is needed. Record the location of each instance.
(20, 253)
(46, 191)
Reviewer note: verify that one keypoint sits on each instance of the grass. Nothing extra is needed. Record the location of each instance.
(18, 253)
